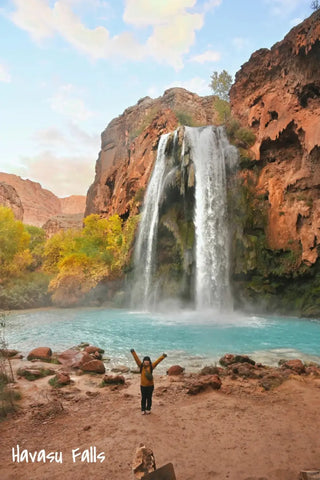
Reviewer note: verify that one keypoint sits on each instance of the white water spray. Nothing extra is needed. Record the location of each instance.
(210, 152)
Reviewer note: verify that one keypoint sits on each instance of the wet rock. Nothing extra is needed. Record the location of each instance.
(230, 358)
(114, 380)
(175, 370)
(92, 349)
(41, 353)
(203, 383)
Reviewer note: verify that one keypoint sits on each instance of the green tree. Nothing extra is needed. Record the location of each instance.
(221, 84)
(15, 256)
(315, 5)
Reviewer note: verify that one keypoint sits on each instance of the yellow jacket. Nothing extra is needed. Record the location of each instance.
(144, 381)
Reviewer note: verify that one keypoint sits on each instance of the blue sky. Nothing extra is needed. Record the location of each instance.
(68, 67)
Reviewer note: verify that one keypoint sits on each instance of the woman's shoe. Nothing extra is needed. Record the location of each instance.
(143, 412)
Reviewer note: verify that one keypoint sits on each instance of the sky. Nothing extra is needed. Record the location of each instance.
(68, 67)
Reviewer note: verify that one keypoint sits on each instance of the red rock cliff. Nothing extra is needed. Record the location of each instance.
(38, 204)
(10, 198)
(129, 147)
(277, 94)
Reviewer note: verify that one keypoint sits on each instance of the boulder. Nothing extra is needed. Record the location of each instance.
(71, 358)
(211, 370)
(7, 353)
(114, 379)
(230, 358)
(175, 370)
(246, 370)
(203, 383)
(92, 349)
(94, 366)
(40, 353)
(296, 365)
(271, 380)
(33, 373)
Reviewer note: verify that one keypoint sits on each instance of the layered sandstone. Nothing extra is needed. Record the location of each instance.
(36, 205)
(129, 146)
(71, 221)
(10, 198)
(74, 204)
(277, 94)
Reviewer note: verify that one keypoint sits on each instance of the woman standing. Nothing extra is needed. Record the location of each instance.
(147, 384)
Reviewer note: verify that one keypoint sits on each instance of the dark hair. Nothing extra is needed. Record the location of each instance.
(146, 358)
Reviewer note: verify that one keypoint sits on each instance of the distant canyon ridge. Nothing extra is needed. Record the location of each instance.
(37, 206)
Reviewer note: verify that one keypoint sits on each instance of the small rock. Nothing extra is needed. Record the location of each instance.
(175, 370)
(143, 462)
(63, 378)
(230, 358)
(210, 370)
(95, 366)
(114, 379)
(203, 383)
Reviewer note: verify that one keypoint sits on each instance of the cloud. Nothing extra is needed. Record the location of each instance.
(173, 28)
(211, 5)
(72, 139)
(68, 103)
(208, 56)
(197, 85)
(63, 175)
(4, 74)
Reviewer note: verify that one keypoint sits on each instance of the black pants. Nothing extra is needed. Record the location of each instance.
(146, 397)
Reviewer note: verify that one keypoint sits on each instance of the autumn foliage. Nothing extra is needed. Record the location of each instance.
(69, 264)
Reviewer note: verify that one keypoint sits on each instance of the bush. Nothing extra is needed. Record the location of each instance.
(29, 291)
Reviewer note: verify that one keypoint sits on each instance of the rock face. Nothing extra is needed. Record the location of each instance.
(10, 198)
(75, 204)
(129, 146)
(277, 94)
(37, 205)
(63, 222)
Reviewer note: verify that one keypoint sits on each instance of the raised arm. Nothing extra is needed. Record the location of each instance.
(135, 356)
(163, 356)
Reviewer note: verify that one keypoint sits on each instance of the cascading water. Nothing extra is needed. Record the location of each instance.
(210, 153)
(145, 247)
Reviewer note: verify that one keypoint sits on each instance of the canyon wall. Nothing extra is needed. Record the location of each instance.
(277, 95)
(37, 205)
(10, 198)
(129, 146)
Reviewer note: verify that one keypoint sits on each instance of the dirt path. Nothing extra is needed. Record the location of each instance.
(237, 433)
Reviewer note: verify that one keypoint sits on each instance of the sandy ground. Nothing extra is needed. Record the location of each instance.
(237, 433)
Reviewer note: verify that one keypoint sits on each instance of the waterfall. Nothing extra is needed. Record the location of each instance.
(210, 153)
(145, 247)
